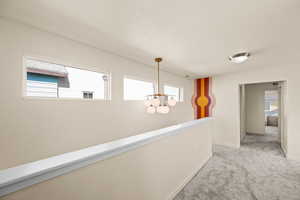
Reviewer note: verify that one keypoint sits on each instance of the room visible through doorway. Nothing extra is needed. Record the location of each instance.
(272, 112)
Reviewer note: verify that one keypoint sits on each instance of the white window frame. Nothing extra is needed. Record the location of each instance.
(107, 90)
(137, 79)
(181, 91)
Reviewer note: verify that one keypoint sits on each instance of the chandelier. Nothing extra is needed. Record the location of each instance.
(159, 102)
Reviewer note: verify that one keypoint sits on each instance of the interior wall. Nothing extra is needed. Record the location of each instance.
(226, 110)
(33, 129)
(242, 112)
(255, 106)
(283, 117)
(144, 173)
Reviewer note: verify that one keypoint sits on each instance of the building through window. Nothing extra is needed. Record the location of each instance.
(87, 95)
(45, 79)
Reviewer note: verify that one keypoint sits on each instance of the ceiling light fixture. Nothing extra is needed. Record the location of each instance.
(159, 102)
(239, 57)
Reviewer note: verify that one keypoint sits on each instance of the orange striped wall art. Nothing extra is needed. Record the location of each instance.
(202, 100)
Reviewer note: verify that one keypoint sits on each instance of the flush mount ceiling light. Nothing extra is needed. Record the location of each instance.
(239, 57)
(159, 102)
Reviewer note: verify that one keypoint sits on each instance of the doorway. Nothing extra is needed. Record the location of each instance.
(262, 112)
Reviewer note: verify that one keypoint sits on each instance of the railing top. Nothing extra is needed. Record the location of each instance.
(102, 151)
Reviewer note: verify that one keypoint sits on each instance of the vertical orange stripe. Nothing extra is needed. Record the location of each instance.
(202, 95)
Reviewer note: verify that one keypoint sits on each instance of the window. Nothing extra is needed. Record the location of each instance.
(45, 79)
(271, 103)
(136, 89)
(174, 91)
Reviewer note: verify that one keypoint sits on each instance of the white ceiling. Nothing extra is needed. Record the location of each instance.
(194, 37)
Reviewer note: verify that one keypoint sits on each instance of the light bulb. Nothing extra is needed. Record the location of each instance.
(151, 110)
(155, 102)
(147, 102)
(172, 102)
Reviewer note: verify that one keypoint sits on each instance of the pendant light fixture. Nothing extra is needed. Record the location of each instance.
(159, 102)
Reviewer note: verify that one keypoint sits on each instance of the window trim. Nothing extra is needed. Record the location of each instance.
(55, 61)
(181, 91)
(137, 79)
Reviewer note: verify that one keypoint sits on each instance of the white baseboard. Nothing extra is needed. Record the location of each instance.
(284, 151)
(188, 179)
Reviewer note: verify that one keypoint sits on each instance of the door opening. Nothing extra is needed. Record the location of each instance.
(262, 111)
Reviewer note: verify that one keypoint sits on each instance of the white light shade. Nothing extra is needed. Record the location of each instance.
(163, 109)
(155, 102)
(160, 109)
(166, 109)
(239, 57)
(151, 110)
(172, 102)
(147, 102)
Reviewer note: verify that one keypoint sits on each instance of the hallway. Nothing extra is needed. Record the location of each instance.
(258, 170)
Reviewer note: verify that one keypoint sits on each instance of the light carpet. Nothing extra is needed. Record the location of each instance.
(256, 171)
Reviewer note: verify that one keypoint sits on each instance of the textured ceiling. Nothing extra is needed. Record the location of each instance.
(194, 37)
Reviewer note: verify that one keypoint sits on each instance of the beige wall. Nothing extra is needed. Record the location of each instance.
(226, 110)
(242, 111)
(156, 171)
(283, 116)
(255, 106)
(34, 129)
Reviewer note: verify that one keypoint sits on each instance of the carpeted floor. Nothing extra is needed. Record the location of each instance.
(256, 171)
